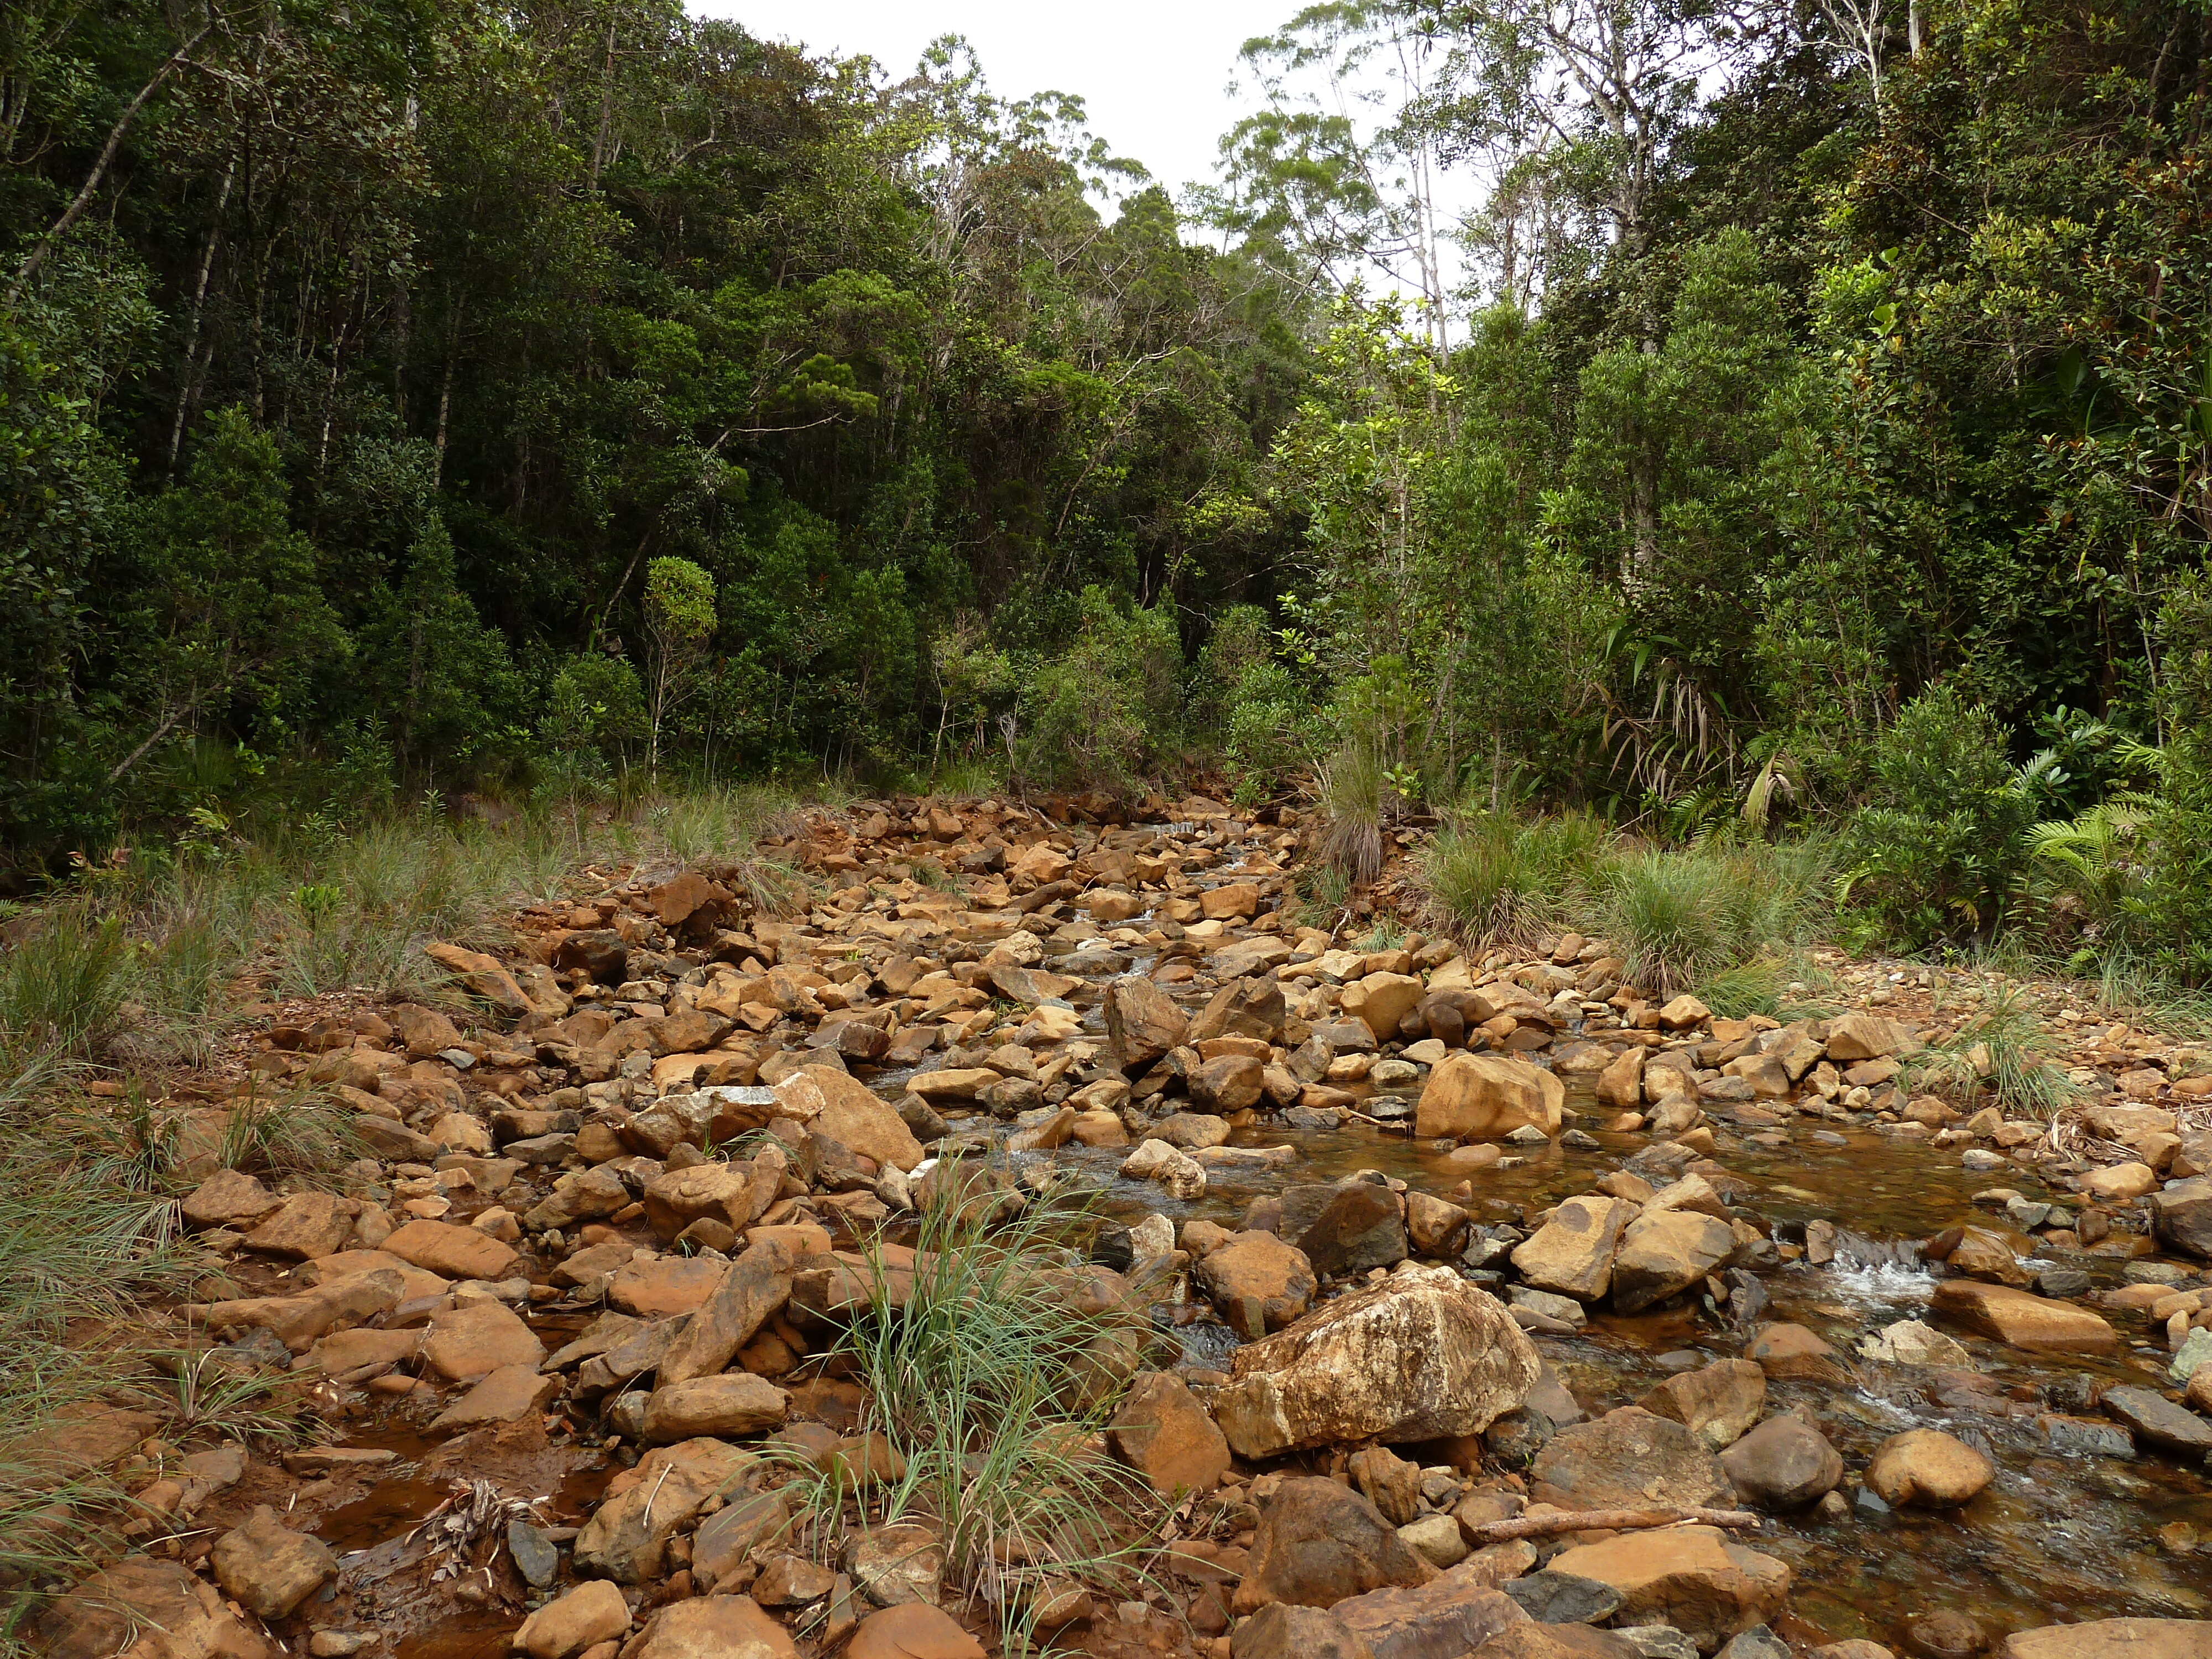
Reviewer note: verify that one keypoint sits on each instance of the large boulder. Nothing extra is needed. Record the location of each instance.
(1572, 1253)
(1256, 1273)
(2021, 1319)
(1142, 1023)
(1486, 1097)
(735, 1403)
(1629, 1459)
(1421, 1356)
(1784, 1463)
(1317, 1543)
(1665, 1252)
(1691, 1577)
(1283, 1630)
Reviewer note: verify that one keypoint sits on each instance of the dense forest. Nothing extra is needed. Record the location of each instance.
(1811, 428)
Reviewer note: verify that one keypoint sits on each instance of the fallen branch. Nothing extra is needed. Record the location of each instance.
(1544, 1526)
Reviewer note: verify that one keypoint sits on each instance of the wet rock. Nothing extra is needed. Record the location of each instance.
(1571, 1255)
(1943, 1634)
(1420, 1356)
(1910, 1342)
(1756, 1643)
(267, 1568)
(1245, 1007)
(1282, 1629)
(1188, 1131)
(1161, 1430)
(1690, 1577)
(912, 1631)
(1718, 1402)
(1155, 1160)
(1434, 1227)
(1142, 1023)
(2114, 1638)
(736, 1403)
(1551, 1597)
(1485, 1097)
(2181, 1215)
(1790, 1353)
(1318, 1543)
(1360, 1227)
(1658, 1641)
(1256, 1273)
(1665, 1252)
(1783, 1464)
(2157, 1421)
(1928, 1468)
(2020, 1319)
(586, 1616)
(1628, 1458)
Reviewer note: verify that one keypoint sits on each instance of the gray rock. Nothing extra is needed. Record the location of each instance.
(2158, 1421)
(1562, 1598)
(1659, 1641)
(535, 1555)
(1564, 1309)
(1756, 1643)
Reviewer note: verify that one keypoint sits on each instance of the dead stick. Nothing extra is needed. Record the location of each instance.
(1543, 1526)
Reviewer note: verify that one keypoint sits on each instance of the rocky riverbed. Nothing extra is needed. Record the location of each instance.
(1433, 1253)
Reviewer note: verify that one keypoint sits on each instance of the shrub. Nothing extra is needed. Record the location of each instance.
(1940, 851)
(1106, 709)
(1687, 917)
(992, 1378)
(1495, 879)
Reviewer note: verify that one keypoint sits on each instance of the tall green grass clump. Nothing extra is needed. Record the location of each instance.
(2005, 1049)
(991, 1371)
(1496, 879)
(1686, 917)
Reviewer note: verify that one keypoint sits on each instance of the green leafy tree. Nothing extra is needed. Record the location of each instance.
(679, 622)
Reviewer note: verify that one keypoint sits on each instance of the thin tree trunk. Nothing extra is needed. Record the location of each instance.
(75, 211)
(189, 379)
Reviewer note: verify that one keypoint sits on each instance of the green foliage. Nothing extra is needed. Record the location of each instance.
(992, 1375)
(1689, 917)
(1108, 709)
(2003, 1048)
(1494, 879)
(1940, 850)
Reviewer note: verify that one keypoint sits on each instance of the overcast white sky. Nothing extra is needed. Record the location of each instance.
(1151, 73)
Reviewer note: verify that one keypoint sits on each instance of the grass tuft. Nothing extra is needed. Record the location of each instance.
(991, 1380)
(2006, 1050)
(1496, 879)
(1684, 918)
